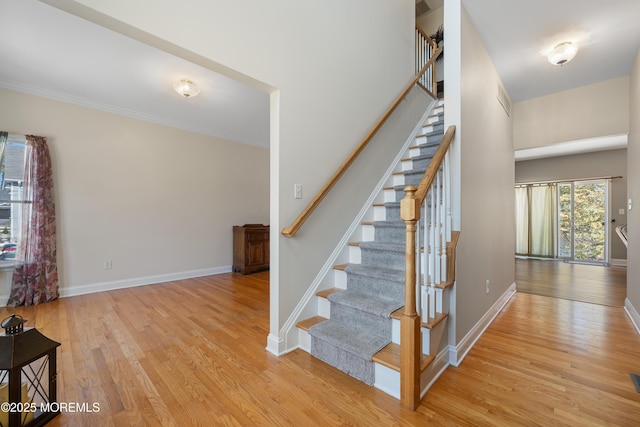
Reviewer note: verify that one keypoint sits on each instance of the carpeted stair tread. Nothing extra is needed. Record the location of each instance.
(390, 231)
(434, 132)
(422, 156)
(383, 246)
(371, 304)
(389, 223)
(379, 272)
(357, 342)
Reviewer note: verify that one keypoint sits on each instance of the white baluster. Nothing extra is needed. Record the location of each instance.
(447, 177)
(438, 229)
(432, 238)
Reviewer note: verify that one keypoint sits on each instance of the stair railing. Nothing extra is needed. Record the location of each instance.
(621, 230)
(425, 50)
(424, 273)
(428, 55)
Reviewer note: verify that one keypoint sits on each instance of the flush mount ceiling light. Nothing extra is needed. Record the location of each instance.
(186, 88)
(562, 53)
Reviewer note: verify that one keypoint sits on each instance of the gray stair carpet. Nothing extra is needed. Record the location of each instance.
(360, 323)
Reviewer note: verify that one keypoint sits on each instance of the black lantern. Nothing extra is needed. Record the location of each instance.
(27, 375)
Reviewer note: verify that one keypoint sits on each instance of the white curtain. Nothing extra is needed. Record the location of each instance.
(522, 221)
(536, 218)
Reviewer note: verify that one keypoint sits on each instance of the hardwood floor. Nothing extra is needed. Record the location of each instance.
(578, 282)
(192, 353)
(546, 361)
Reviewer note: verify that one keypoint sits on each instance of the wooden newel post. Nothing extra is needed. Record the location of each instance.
(410, 344)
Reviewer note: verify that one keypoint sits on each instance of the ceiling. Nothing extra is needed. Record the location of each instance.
(63, 57)
(518, 33)
(90, 65)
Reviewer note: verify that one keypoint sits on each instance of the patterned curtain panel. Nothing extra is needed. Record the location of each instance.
(35, 279)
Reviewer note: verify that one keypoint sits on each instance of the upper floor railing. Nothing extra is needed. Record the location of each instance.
(425, 50)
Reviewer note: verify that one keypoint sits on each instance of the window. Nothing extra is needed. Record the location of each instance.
(11, 196)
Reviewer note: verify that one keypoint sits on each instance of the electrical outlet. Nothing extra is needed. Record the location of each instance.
(486, 287)
(107, 264)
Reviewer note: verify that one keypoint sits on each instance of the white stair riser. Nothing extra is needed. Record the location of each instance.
(340, 279)
(395, 331)
(304, 340)
(368, 233)
(379, 213)
(398, 179)
(415, 152)
(387, 380)
(355, 255)
(389, 195)
(428, 129)
(324, 307)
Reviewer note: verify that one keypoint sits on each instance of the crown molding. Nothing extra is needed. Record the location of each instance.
(109, 108)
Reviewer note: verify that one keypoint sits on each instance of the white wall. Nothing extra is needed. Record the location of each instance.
(334, 67)
(429, 22)
(596, 110)
(157, 201)
(487, 229)
(633, 188)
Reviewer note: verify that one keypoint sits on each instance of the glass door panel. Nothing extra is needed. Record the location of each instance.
(565, 220)
(589, 220)
(582, 218)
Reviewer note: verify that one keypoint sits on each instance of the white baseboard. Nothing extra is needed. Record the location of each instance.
(459, 352)
(141, 281)
(633, 314)
(134, 282)
(276, 345)
(618, 262)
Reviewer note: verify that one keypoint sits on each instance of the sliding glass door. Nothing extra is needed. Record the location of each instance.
(582, 220)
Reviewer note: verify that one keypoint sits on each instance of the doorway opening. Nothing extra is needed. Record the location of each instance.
(564, 220)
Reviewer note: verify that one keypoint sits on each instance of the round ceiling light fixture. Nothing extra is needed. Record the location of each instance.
(562, 53)
(186, 88)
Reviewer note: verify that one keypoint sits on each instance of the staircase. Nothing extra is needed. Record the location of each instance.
(357, 327)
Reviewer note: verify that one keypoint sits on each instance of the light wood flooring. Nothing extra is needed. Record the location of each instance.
(578, 282)
(192, 353)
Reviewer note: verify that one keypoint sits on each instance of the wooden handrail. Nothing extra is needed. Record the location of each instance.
(434, 166)
(291, 230)
(432, 42)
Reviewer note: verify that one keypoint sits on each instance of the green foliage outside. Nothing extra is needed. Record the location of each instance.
(588, 221)
(564, 244)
